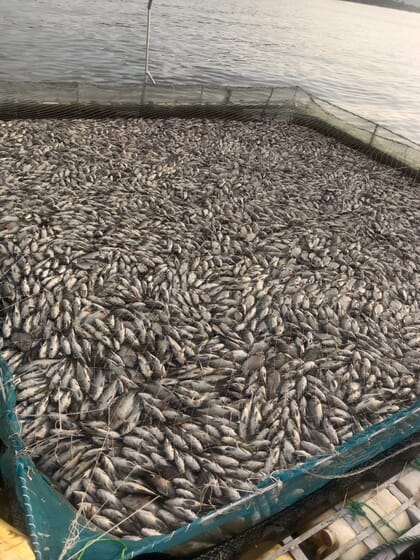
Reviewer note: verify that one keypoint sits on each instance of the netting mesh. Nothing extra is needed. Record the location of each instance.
(285, 524)
(192, 306)
(50, 99)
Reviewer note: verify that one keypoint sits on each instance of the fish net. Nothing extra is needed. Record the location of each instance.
(281, 526)
(20, 100)
(202, 298)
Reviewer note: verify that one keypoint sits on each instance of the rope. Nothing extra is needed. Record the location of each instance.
(94, 541)
(386, 546)
(354, 472)
(356, 508)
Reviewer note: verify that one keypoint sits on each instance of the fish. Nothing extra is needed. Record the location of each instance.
(190, 305)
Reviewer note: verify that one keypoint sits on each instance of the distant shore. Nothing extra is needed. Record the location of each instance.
(389, 4)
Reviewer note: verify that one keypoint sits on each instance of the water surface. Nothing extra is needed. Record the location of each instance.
(364, 58)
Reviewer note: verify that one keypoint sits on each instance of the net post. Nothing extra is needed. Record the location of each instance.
(228, 93)
(373, 135)
(294, 97)
(143, 94)
(270, 95)
(147, 74)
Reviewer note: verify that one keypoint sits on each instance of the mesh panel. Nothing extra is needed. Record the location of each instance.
(56, 99)
(48, 99)
(284, 524)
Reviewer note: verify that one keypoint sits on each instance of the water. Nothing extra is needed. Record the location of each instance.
(363, 58)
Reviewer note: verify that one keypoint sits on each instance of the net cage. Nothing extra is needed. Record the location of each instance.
(72, 99)
(56, 528)
(50, 520)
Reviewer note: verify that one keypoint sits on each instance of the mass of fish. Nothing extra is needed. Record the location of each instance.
(190, 305)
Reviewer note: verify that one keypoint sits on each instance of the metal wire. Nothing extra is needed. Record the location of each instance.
(147, 73)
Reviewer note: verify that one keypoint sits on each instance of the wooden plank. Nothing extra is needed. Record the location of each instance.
(296, 552)
(409, 483)
(366, 534)
(413, 511)
(401, 497)
(369, 530)
(339, 507)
